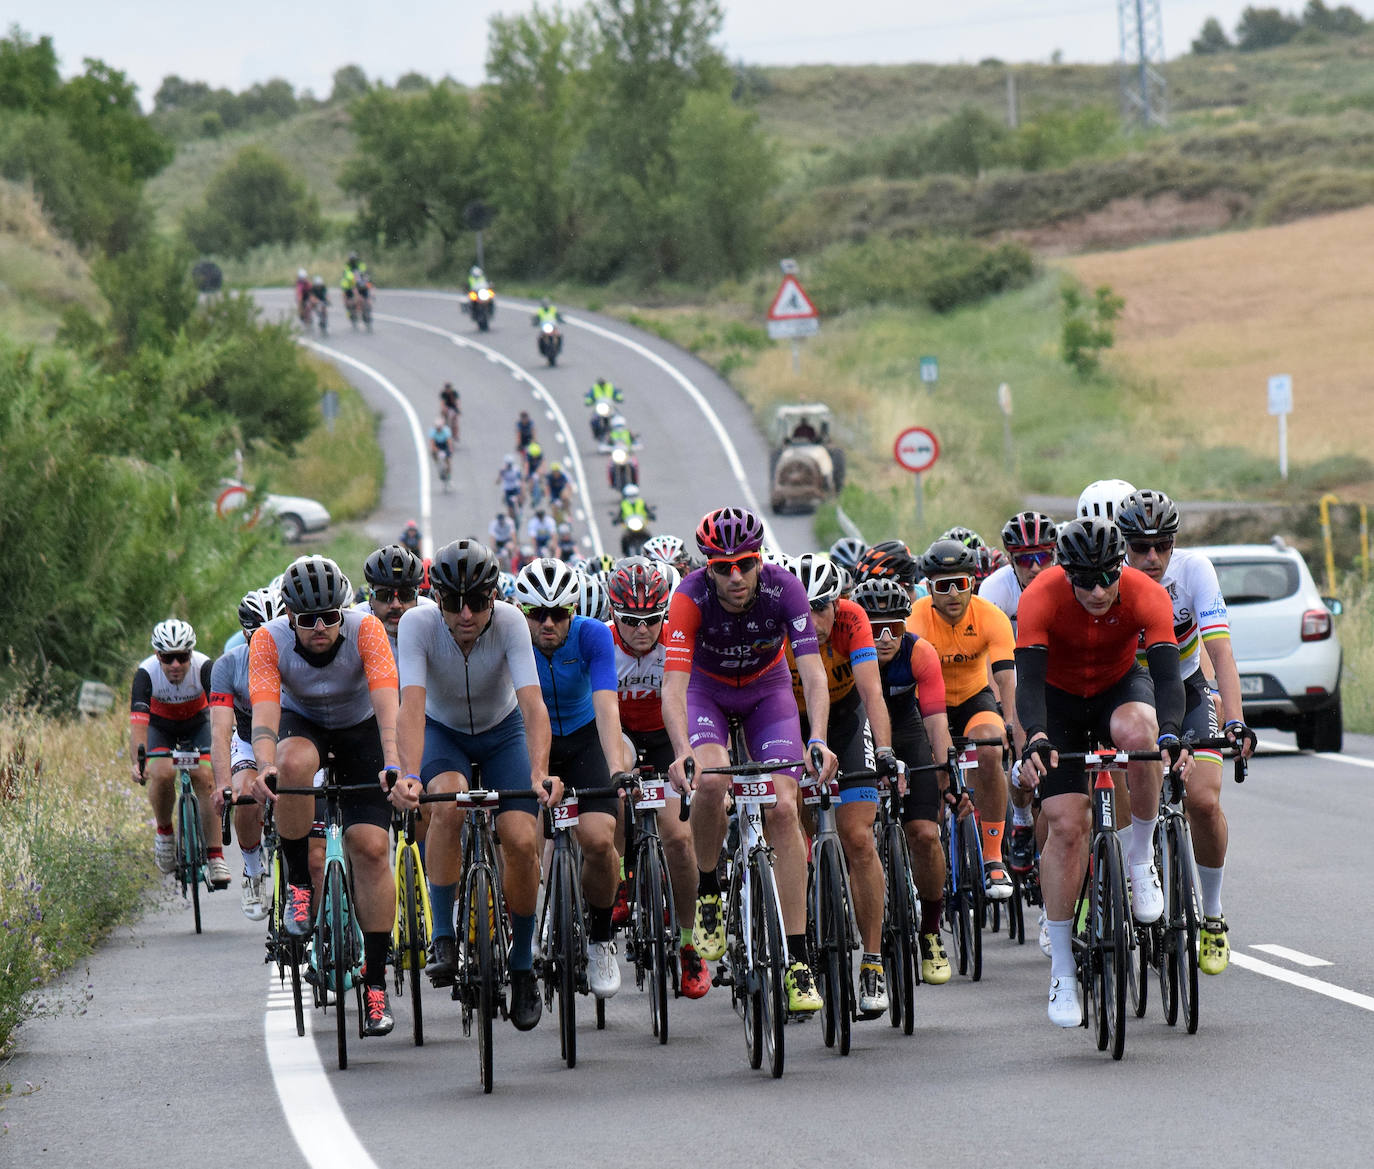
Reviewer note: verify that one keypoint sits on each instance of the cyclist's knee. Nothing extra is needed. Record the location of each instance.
(1134, 727)
(857, 842)
(1068, 817)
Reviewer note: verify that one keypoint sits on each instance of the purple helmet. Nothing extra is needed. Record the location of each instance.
(729, 531)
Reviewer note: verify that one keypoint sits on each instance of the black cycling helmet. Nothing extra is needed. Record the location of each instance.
(882, 597)
(966, 536)
(891, 559)
(1029, 529)
(947, 556)
(1147, 513)
(394, 565)
(464, 566)
(846, 551)
(1090, 546)
(314, 583)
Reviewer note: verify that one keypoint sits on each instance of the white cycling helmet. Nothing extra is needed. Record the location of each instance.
(547, 583)
(301, 274)
(771, 556)
(1100, 500)
(592, 598)
(173, 636)
(505, 585)
(630, 491)
(618, 420)
(664, 548)
(819, 575)
(258, 607)
(668, 571)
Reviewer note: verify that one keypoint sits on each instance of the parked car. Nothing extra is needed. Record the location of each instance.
(805, 470)
(295, 515)
(1283, 633)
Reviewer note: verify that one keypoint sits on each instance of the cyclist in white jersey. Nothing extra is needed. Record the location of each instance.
(1149, 521)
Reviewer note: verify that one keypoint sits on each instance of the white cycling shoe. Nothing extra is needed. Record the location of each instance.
(1147, 895)
(603, 973)
(1065, 1010)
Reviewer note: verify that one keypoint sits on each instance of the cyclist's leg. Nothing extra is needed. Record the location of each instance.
(445, 768)
(1205, 816)
(504, 755)
(300, 754)
(854, 818)
(920, 812)
(709, 734)
(247, 817)
(980, 720)
(161, 780)
(1133, 727)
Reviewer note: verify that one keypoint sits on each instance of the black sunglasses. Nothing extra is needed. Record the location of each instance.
(542, 613)
(386, 594)
(183, 657)
(328, 617)
(1142, 547)
(631, 622)
(743, 563)
(454, 602)
(1087, 581)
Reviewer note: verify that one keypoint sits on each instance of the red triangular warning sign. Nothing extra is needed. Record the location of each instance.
(791, 303)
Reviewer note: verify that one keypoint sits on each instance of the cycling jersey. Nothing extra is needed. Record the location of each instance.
(1199, 608)
(524, 431)
(473, 692)
(602, 391)
(501, 531)
(557, 483)
(640, 682)
(540, 531)
(158, 702)
(849, 644)
(1088, 654)
(982, 636)
(229, 687)
(511, 480)
(366, 607)
(913, 678)
(1003, 588)
(441, 436)
(332, 689)
(738, 647)
(584, 663)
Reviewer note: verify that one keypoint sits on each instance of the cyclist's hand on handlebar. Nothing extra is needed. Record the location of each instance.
(1242, 736)
(1175, 755)
(550, 791)
(258, 788)
(1037, 759)
(217, 795)
(137, 775)
(405, 793)
(885, 762)
(677, 774)
(818, 755)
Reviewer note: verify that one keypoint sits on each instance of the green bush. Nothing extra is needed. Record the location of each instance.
(254, 200)
(1087, 325)
(1314, 192)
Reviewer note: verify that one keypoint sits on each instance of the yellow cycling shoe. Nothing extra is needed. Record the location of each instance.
(802, 995)
(708, 931)
(1214, 951)
(935, 967)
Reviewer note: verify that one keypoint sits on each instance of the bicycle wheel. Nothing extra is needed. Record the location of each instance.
(834, 954)
(192, 852)
(335, 963)
(899, 958)
(1167, 938)
(974, 900)
(413, 934)
(651, 950)
(1109, 943)
(770, 955)
(481, 910)
(1184, 965)
(565, 941)
(1138, 971)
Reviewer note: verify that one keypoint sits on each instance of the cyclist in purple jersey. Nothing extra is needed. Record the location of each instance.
(727, 628)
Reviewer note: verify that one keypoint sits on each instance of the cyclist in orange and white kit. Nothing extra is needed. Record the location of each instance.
(169, 708)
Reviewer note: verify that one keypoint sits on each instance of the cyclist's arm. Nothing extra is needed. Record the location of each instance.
(410, 729)
(1001, 643)
(538, 732)
(1223, 659)
(221, 734)
(937, 731)
(379, 663)
(1168, 681)
(264, 690)
(816, 689)
(869, 682)
(140, 703)
(680, 637)
(606, 703)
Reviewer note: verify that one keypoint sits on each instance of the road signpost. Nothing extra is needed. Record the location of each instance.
(1281, 405)
(792, 315)
(930, 372)
(916, 450)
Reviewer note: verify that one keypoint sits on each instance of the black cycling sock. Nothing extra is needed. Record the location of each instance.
(796, 947)
(297, 856)
(707, 882)
(599, 923)
(931, 908)
(376, 945)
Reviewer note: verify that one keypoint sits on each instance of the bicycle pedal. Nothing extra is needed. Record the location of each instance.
(801, 1016)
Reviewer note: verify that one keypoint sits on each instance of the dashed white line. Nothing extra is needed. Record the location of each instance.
(1304, 981)
(1297, 957)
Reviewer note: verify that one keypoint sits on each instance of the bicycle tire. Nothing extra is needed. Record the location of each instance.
(288, 952)
(824, 944)
(1016, 911)
(1168, 939)
(835, 951)
(192, 851)
(566, 943)
(651, 905)
(899, 958)
(1109, 942)
(769, 955)
(977, 903)
(334, 966)
(412, 926)
(1186, 936)
(480, 908)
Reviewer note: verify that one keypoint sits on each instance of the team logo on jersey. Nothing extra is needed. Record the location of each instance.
(752, 626)
(798, 623)
(678, 635)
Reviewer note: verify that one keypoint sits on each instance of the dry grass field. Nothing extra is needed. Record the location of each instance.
(1208, 320)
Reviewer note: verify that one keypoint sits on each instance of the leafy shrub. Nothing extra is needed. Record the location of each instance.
(254, 200)
(1314, 192)
(1087, 325)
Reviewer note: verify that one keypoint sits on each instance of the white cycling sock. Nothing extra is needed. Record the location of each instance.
(1022, 817)
(252, 862)
(1142, 850)
(1061, 949)
(1210, 880)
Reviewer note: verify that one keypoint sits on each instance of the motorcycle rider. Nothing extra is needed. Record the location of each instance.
(546, 313)
(622, 469)
(619, 434)
(602, 391)
(477, 279)
(635, 514)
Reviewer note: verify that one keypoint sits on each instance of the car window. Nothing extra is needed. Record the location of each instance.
(1249, 582)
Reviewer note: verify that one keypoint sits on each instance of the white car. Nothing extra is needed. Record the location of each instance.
(1284, 638)
(295, 515)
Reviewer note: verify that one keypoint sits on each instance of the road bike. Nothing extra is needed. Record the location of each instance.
(410, 933)
(965, 894)
(192, 867)
(443, 468)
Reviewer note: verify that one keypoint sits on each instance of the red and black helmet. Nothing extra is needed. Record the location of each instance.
(729, 531)
(638, 587)
(891, 560)
(1029, 531)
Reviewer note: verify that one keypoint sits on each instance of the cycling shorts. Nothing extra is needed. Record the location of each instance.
(912, 747)
(1200, 718)
(848, 737)
(765, 707)
(578, 760)
(241, 757)
(1074, 723)
(654, 749)
(193, 734)
(501, 751)
(978, 717)
(358, 759)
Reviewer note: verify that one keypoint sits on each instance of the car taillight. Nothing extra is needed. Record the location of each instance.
(1316, 625)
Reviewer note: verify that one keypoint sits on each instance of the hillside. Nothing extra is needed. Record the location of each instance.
(41, 274)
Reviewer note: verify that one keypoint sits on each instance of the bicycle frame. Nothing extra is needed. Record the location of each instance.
(827, 851)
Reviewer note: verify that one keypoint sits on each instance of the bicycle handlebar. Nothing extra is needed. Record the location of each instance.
(753, 768)
(477, 796)
(636, 776)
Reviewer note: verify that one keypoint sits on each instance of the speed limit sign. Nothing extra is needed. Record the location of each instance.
(916, 449)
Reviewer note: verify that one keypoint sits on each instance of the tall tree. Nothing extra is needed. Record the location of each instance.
(1264, 28)
(1212, 38)
(28, 72)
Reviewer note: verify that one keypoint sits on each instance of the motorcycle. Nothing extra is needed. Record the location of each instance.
(621, 469)
(601, 420)
(550, 342)
(481, 304)
(635, 534)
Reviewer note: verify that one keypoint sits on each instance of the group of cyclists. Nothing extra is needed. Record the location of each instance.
(312, 296)
(567, 673)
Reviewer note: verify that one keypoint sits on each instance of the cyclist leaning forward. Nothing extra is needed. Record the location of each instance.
(639, 601)
(857, 707)
(1078, 628)
(471, 694)
(322, 678)
(727, 624)
(972, 637)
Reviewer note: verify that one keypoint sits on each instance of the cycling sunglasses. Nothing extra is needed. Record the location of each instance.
(326, 617)
(951, 584)
(1142, 547)
(476, 602)
(888, 630)
(1087, 581)
(1033, 559)
(747, 563)
(402, 596)
(181, 657)
(542, 613)
(632, 622)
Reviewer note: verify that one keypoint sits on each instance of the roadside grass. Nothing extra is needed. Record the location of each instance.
(75, 855)
(41, 274)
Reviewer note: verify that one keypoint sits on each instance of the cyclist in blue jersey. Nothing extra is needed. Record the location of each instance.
(727, 627)
(576, 660)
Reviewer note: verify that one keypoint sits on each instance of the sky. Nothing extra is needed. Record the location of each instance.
(237, 44)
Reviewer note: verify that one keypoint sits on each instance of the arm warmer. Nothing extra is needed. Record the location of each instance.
(1169, 699)
(1032, 663)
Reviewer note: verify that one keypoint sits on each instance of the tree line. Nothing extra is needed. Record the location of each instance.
(1267, 28)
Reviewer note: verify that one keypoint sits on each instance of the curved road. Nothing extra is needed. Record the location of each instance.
(184, 1055)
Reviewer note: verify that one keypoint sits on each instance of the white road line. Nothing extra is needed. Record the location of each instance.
(688, 386)
(579, 472)
(1329, 756)
(1304, 981)
(416, 433)
(1297, 957)
(317, 1122)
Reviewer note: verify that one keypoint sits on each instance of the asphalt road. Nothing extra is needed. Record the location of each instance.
(172, 1049)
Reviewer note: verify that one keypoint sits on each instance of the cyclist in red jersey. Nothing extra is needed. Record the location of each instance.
(1079, 625)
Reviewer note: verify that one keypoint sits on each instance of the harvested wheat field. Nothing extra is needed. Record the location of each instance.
(1210, 319)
